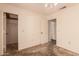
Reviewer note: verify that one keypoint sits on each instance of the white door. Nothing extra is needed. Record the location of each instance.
(1, 32)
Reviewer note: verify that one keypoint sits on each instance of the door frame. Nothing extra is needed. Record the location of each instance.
(4, 31)
(52, 20)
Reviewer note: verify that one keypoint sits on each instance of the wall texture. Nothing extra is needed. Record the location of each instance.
(68, 28)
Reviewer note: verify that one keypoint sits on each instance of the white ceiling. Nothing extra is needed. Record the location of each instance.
(40, 7)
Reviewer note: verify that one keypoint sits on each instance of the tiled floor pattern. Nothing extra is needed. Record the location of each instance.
(48, 49)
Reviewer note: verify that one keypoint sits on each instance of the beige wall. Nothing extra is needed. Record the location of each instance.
(68, 28)
(29, 26)
(44, 29)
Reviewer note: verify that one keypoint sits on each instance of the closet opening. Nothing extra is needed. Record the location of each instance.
(10, 27)
(52, 32)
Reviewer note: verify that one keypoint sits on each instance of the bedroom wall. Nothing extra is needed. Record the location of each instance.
(29, 26)
(67, 28)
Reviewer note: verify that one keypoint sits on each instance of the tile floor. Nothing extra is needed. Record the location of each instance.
(48, 49)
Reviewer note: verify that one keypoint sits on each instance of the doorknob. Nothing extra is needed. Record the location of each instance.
(41, 32)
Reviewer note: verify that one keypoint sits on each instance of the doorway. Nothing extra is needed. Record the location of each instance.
(52, 31)
(11, 32)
